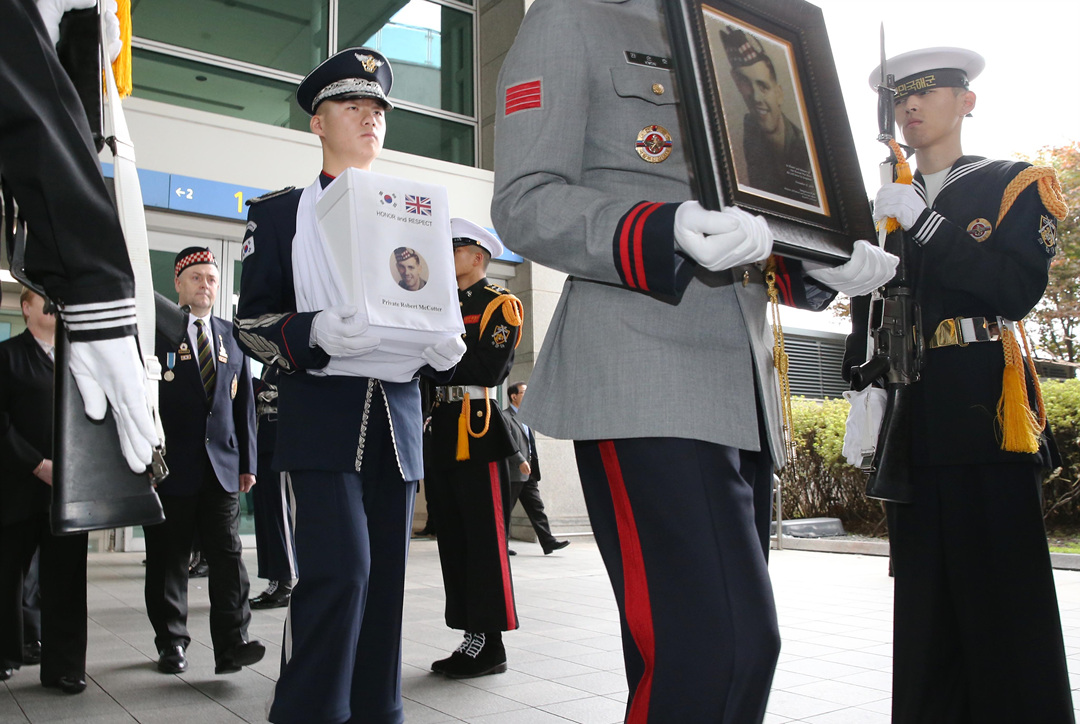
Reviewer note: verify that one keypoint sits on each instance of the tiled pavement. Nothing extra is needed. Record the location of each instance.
(565, 663)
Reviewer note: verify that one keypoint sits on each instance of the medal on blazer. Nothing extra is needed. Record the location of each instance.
(223, 355)
(185, 352)
(232, 388)
(170, 362)
(654, 144)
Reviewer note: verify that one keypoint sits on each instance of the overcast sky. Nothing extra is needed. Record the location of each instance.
(1027, 97)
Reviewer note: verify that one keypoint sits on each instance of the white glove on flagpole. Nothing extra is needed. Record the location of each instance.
(900, 202)
(109, 372)
(52, 10)
(342, 332)
(445, 354)
(869, 267)
(721, 239)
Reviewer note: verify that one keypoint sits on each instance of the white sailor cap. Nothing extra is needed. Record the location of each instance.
(929, 68)
(466, 233)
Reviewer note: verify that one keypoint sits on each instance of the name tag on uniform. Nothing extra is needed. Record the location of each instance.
(652, 61)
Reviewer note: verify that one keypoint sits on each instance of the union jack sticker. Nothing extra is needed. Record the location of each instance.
(418, 204)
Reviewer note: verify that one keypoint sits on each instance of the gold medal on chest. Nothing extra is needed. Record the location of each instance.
(654, 144)
(232, 388)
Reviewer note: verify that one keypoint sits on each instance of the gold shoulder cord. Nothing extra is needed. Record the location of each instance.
(780, 359)
(1020, 427)
(514, 314)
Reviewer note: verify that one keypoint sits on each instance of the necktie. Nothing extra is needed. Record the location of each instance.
(206, 360)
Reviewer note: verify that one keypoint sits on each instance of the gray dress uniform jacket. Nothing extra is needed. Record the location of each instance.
(644, 343)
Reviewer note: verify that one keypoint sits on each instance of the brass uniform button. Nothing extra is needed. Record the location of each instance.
(745, 277)
(658, 89)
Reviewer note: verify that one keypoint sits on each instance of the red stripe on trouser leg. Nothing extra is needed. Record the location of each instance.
(636, 604)
(500, 533)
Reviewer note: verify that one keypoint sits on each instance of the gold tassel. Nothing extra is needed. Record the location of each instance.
(1015, 418)
(903, 176)
(122, 65)
(780, 362)
(463, 430)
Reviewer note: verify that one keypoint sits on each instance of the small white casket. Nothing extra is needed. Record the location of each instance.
(390, 238)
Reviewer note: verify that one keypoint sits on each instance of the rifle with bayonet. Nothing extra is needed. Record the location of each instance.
(894, 321)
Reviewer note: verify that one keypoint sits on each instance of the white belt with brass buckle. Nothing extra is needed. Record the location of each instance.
(453, 393)
(963, 331)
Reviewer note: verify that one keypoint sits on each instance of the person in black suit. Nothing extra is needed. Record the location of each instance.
(525, 475)
(208, 412)
(26, 406)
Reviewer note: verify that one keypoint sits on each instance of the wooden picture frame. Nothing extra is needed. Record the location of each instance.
(765, 117)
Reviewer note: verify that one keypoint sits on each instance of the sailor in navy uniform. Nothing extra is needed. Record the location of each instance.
(977, 633)
(351, 444)
(470, 442)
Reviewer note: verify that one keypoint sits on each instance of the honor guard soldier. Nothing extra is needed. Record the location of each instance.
(271, 501)
(208, 412)
(470, 481)
(76, 248)
(351, 444)
(977, 633)
(658, 361)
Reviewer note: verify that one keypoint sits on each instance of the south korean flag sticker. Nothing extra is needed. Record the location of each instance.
(654, 144)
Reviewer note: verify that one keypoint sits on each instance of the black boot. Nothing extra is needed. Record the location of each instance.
(439, 667)
(483, 655)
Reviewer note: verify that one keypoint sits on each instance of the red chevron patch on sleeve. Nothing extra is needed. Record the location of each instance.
(524, 96)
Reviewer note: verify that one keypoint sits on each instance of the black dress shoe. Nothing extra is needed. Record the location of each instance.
(241, 655)
(556, 546)
(6, 673)
(511, 552)
(172, 660)
(276, 595)
(67, 684)
(199, 568)
(31, 653)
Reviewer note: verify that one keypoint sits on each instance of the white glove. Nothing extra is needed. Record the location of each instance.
(863, 423)
(869, 267)
(721, 239)
(112, 30)
(52, 10)
(341, 332)
(109, 372)
(900, 202)
(445, 354)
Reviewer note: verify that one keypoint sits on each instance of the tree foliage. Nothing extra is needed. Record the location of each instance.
(1057, 317)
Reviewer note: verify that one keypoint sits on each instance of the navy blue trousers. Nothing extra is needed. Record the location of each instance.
(679, 525)
(976, 629)
(341, 657)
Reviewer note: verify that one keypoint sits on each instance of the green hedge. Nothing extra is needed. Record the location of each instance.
(820, 483)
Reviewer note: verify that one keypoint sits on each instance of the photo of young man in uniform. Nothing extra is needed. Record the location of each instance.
(772, 156)
(409, 268)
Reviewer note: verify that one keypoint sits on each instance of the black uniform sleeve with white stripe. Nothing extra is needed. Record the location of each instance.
(76, 249)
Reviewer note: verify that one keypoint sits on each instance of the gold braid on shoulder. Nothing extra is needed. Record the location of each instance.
(1020, 427)
(514, 314)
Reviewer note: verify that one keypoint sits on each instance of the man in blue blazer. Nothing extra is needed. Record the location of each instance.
(208, 412)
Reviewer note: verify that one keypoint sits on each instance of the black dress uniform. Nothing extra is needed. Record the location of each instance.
(470, 494)
(273, 513)
(48, 162)
(977, 633)
(26, 407)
